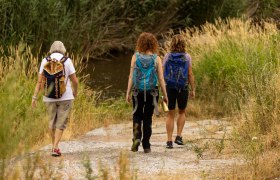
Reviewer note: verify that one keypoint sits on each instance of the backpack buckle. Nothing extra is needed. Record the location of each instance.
(154, 92)
(135, 92)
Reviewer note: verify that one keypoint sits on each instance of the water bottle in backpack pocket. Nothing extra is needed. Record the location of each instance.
(176, 70)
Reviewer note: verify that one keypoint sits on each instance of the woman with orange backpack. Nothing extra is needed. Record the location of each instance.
(145, 72)
(57, 77)
(178, 75)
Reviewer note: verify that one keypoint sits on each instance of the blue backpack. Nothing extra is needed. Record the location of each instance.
(176, 70)
(145, 76)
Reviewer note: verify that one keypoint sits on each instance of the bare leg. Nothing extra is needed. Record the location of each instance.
(181, 122)
(58, 135)
(170, 124)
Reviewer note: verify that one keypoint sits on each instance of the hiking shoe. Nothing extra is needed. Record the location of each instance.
(56, 152)
(147, 150)
(169, 145)
(135, 145)
(179, 140)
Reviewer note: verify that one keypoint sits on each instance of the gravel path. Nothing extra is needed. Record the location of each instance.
(104, 146)
(198, 159)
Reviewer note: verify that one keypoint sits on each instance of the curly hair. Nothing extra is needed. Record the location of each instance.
(178, 44)
(147, 42)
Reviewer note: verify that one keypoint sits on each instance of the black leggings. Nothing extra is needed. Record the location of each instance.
(143, 113)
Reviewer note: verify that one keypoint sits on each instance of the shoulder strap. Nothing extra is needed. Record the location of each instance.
(48, 58)
(136, 57)
(187, 56)
(63, 59)
(170, 56)
(155, 60)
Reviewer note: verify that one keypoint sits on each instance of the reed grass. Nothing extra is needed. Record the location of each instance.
(87, 27)
(22, 127)
(235, 61)
(236, 65)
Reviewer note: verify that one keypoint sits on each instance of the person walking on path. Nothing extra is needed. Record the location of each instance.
(55, 72)
(145, 72)
(178, 75)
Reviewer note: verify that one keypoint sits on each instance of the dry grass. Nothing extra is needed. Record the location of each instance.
(236, 65)
(206, 38)
(22, 127)
(268, 168)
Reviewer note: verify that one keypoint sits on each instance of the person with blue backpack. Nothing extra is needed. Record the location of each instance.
(177, 68)
(145, 72)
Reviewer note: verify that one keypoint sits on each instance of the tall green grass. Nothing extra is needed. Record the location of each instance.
(88, 27)
(96, 27)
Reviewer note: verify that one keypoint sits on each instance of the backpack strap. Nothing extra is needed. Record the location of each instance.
(155, 60)
(169, 56)
(48, 58)
(135, 94)
(154, 93)
(63, 59)
(137, 58)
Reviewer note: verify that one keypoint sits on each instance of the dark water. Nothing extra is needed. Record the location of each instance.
(109, 76)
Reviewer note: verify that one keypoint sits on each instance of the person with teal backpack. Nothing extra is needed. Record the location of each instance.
(178, 75)
(145, 73)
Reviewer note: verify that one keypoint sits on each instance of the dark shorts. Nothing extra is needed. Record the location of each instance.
(180, 96)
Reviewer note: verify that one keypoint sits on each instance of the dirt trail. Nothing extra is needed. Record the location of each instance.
(104, 146)
(198, 159)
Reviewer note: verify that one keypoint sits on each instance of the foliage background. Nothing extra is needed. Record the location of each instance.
(101, 26)
(237, 62)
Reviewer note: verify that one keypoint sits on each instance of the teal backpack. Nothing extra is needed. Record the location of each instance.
(145, 78)
(144, 75)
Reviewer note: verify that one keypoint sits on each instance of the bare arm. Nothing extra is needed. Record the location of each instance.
(74, 81)
(130, 83)
(37, 90)
(161, 78)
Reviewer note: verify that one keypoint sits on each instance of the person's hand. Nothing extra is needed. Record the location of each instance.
(34, 103)
(192, 94)
(128, 98)
(165, 99)
(75, 94)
